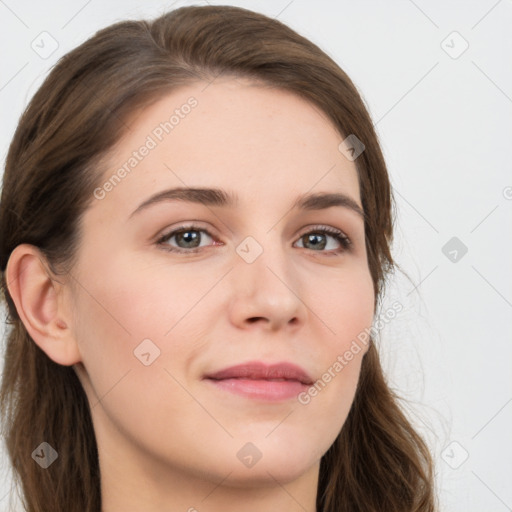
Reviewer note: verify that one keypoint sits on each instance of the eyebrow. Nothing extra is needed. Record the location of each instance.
(222, 198)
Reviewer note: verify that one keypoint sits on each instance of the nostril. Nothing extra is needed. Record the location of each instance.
(255, 319)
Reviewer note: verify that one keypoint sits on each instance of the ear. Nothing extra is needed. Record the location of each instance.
(39, 302)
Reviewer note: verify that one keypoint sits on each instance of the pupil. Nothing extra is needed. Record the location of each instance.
(312, 238)
(188, 237)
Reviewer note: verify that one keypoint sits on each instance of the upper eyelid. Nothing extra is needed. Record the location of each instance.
(184, 227)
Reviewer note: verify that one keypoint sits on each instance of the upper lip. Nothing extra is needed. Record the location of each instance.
(260, 371)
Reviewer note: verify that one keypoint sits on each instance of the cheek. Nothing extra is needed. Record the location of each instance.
(344, 304)
(347, 312)
(132, 317)
(134, 371)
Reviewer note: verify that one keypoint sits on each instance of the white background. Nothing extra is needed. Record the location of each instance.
(446, 132)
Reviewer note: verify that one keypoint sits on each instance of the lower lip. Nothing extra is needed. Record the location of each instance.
(269, 390)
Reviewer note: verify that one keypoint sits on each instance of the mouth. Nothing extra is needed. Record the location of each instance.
(260, 381)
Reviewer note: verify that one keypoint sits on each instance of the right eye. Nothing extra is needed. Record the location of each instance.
(188, 236)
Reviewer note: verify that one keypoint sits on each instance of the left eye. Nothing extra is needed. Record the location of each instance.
(317, 238)
(189, 237)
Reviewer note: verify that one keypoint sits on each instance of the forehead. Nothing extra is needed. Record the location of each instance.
(253, 139)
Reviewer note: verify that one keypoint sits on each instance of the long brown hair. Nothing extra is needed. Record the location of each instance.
(378, 462)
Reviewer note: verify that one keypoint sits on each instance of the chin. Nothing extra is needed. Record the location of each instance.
(284, 458)
(263, 473)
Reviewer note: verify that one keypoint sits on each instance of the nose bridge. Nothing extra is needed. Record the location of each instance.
(263, 256)
(265, 284)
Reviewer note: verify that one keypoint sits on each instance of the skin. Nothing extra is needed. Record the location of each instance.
(167, 439)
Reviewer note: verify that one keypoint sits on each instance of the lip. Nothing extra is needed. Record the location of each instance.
(257, 380)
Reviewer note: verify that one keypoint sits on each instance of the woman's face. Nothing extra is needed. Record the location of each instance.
(255, 282)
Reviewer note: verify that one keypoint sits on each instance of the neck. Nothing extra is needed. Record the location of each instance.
(132, 489)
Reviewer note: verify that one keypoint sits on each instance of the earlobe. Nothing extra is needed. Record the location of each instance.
(36, 297)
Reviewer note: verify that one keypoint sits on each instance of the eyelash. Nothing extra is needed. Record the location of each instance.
(339, 236)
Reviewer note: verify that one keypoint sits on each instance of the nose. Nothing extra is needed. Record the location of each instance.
(266, 292)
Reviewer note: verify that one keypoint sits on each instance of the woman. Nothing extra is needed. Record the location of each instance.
(196, 220)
